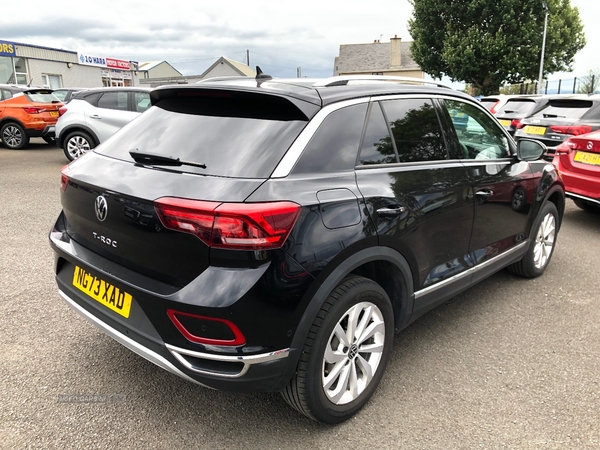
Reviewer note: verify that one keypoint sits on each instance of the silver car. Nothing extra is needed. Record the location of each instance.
(93, 115)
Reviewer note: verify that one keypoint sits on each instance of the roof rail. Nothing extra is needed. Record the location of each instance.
(345, 79)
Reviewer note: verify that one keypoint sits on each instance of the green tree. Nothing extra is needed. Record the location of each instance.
(589, 83)
(491, 42)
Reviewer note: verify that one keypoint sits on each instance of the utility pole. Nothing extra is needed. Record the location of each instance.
(248, 57)
(541, 78)
(299, 72)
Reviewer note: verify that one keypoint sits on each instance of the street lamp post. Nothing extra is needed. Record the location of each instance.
(541, 77)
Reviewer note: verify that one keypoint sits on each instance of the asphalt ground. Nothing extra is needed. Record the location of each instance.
(508, 364)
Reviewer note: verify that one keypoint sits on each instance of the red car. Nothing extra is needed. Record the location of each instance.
(578, 160)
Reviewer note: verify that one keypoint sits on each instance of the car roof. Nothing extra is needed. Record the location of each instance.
(321, 91)
(115, 88)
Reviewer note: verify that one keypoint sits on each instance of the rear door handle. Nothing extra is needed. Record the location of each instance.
(391, 211)
(95, 116)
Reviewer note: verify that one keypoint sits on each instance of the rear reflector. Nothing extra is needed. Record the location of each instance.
(206, 330)
(574, 130)
(234, 226)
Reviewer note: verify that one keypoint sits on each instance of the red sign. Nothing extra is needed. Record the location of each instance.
(117, 63)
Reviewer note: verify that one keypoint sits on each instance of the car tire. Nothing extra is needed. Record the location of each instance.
(339, 369)
(519, 199)
(587, 206)
(13, 136)
(543, 233)
(76, 144)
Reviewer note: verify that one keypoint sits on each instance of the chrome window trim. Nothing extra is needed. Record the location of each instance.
(293, 154)
(246, 360)
(470, 271)
(132, 345)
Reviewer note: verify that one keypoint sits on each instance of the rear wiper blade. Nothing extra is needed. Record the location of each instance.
(508, 111)
(553, 116)
(160, 160)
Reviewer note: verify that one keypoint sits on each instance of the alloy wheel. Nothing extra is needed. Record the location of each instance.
(544, 241)
(12, 136)
(353, 353)
(77, 146)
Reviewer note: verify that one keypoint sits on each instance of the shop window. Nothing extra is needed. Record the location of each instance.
(7, 70)
(52, 81)
(21, 70)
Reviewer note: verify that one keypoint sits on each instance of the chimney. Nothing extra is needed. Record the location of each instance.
(395, 61)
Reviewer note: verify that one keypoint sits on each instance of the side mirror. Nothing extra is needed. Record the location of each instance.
(530, 150)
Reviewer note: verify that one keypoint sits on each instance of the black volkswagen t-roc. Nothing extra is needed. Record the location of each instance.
(271, 235)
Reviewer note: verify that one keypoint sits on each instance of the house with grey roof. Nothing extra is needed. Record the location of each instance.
(378, 58)
(225, 67)
(157, 69)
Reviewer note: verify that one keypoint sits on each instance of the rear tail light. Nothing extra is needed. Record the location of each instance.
(33, 109)
(234, 226)
(206, 330)
(64, 179)
(494, 108)
(574, 130)
(516, 123)
(62, 110)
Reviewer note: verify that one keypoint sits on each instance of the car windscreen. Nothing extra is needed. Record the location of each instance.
(569, 109)
(520, 106)
(239, 137)
(41, 96)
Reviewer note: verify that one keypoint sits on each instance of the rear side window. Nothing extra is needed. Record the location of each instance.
(239, 135)
(6, 94)
(377, 147)
(567, 108)
(334, 146)
(113, 100)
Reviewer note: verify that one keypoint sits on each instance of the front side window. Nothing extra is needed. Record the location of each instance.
(479, 136)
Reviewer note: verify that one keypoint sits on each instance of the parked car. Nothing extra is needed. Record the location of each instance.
(248, 235)
(65, 94)
(562, 117)
(578, 160)
(517, 108)
(93, 115)
(27, 112)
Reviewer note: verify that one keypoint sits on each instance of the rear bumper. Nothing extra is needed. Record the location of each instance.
(47, 131)
(145, 332)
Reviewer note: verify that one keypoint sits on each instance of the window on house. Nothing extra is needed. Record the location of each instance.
(52, 81)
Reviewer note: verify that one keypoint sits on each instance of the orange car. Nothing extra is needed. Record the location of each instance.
(27, 112)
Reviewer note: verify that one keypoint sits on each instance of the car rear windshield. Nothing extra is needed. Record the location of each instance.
(233, 135)
(41, 96)
(520, 106)
(569, 109)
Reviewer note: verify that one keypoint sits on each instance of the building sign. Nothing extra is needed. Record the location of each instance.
(101, 61)
(8, 48)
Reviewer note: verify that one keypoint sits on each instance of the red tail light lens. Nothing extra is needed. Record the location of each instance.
(206, 330)
(62, 110)
(234, 226)
(33, 109)
(516, 123)
(575, 130)
(64, 179)
(494, 108)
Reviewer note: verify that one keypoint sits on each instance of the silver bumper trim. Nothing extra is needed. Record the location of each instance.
(246, 360)
(144, 352)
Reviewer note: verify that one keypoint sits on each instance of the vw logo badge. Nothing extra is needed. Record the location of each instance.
(590, 145)
(101, 208)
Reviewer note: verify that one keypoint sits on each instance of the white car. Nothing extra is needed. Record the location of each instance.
(93, 115)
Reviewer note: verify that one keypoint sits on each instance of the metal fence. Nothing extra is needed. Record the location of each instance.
(577, 85)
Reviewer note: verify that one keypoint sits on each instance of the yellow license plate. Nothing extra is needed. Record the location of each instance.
(504, 123)
(105, 293)
(54, 113)
(535, 130)
(587, 158)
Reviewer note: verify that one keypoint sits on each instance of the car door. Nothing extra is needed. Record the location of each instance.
(110, 113)
(503, 186)
(419, 200)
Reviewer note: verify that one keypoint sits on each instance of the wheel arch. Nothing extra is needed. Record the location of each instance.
(76, 127)
(9, 119)
(384, 265)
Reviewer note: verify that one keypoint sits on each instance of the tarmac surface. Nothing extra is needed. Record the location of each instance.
(509, 364)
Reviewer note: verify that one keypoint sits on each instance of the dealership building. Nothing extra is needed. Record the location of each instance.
(56, 68)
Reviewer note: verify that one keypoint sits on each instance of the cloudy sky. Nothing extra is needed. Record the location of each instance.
(280, 35)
